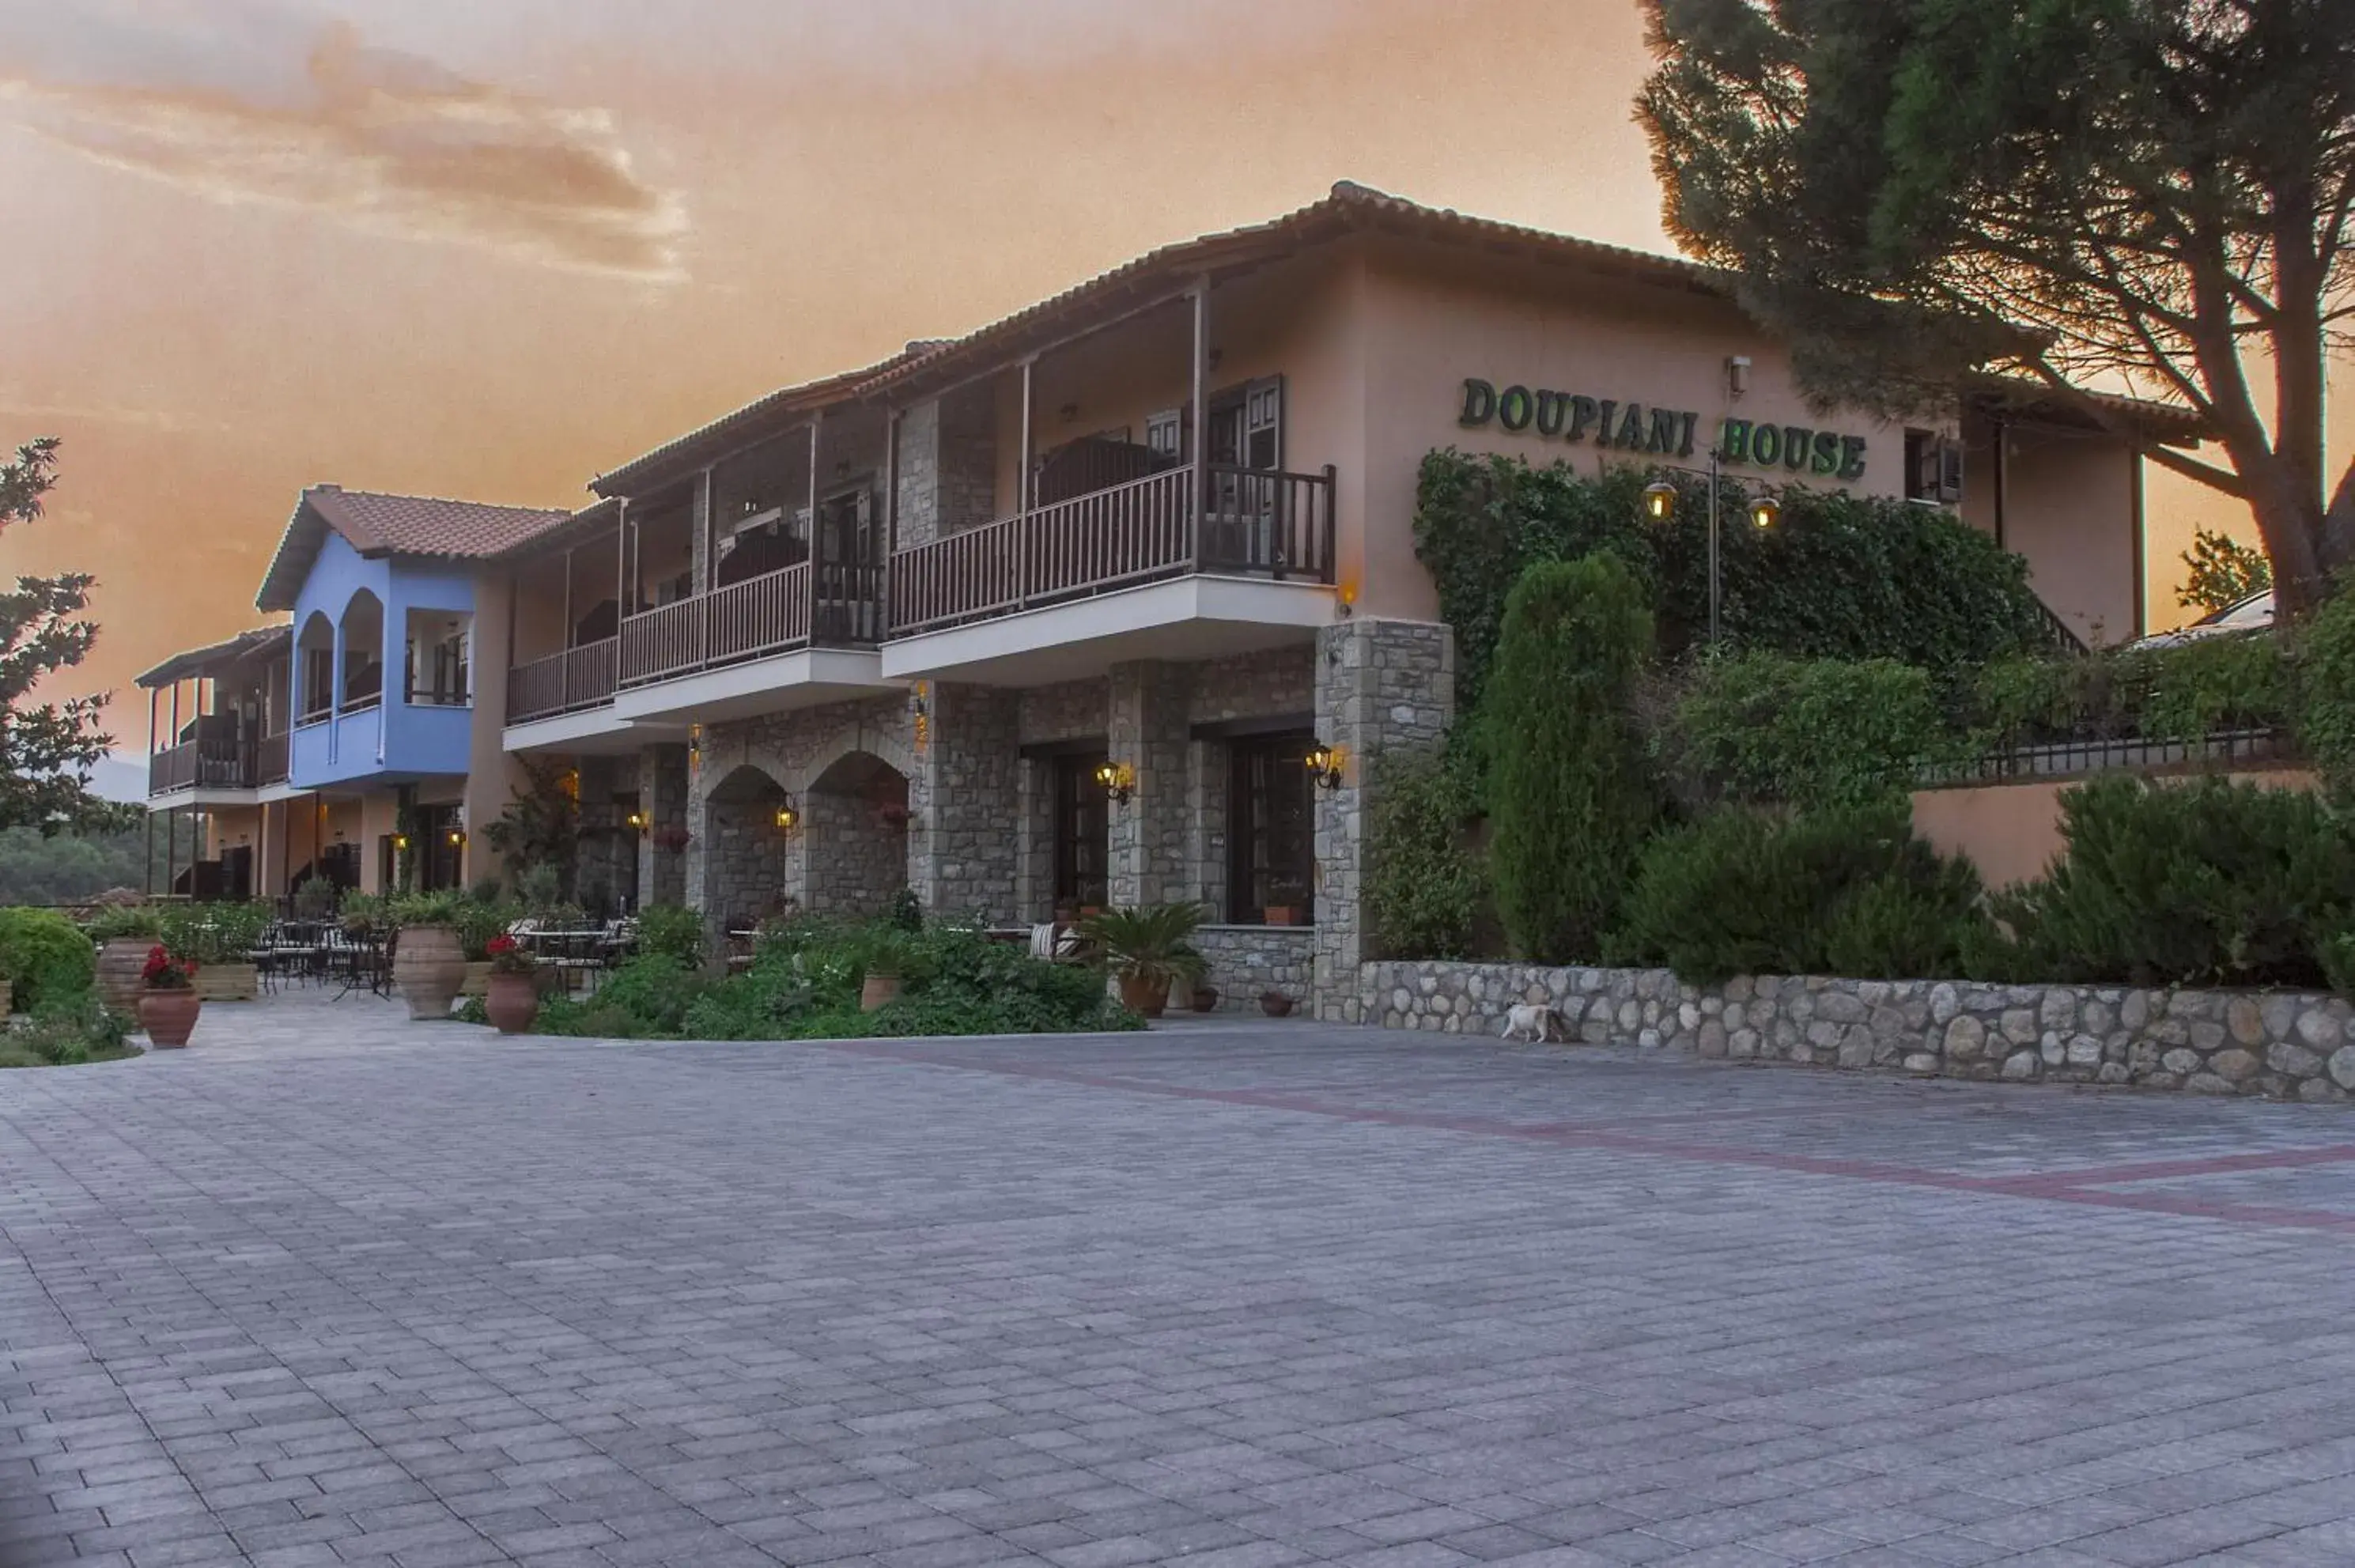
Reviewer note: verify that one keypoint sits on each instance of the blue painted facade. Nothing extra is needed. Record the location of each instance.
(394, 741)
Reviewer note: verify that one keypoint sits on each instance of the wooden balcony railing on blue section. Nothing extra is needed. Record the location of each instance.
(563, 682)
(1259, 523)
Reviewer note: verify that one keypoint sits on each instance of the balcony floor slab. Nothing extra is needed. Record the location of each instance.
(1186, 618)
(806, 678)
(592, 731)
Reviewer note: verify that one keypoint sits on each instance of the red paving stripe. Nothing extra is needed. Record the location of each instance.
(2069, 1186)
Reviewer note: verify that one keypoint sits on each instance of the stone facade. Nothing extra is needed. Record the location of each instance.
(965, 857)
(663, 797)
(1148, 859)
(948, 466)
(1382, 687)
(2285, 1044)
(606, 868)
(1245, 960)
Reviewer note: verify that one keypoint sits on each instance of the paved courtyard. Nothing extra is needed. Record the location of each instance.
(331, 1289)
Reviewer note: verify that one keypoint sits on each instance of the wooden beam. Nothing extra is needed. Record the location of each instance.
(1201, 400)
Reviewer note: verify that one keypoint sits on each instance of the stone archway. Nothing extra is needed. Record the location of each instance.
(746, 874)
(855, 825)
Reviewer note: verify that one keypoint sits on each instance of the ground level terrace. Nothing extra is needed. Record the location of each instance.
(332, 1284)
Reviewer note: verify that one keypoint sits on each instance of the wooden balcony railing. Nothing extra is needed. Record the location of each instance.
(272, 759)
(1258, 523)
(567, 682)
(201, 764)
(748, 620)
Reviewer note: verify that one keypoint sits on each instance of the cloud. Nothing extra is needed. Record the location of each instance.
(243, 100)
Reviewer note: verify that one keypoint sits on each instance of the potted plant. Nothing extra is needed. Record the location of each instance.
(513, 999)
(314, 899)
(428, 964)
(1148, 949)
(219, 938)
(124, 935)
(1205, 998)
(1275, 1003)
(885, 960)
(168, 1003)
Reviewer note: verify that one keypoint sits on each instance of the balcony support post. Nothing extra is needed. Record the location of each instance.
(1023, 500)
(176, 713)
(817, 534)
(882, 610)
(1201, 420)
(153, 695)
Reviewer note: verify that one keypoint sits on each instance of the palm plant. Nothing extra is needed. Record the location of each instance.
(1148, 948)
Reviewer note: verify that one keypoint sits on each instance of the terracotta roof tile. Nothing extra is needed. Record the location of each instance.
(380, 525)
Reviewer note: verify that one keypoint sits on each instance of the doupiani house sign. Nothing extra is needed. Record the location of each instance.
(1615, 426)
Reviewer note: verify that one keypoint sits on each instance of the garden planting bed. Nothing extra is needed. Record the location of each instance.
(2287, 1044)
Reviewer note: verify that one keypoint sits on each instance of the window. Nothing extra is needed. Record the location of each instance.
(1083, 833)
(1934, 468)
(1271, 831)
(1165, 435)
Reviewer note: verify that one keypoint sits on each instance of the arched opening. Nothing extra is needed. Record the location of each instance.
(315, 654)
(744, 851)
(857, 822)
(363, 642)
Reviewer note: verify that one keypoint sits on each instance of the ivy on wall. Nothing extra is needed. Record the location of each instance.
(1840, 577)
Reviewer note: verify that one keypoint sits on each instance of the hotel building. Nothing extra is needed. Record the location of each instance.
(899, 626)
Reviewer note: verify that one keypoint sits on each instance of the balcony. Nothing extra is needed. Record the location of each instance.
(207, 764)
(271, 760)
(779, 612)
(1260, 524)
(570, 682)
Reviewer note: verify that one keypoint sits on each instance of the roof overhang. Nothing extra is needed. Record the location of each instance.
(217, 658)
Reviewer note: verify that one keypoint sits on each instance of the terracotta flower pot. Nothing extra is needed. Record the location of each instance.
(169, 1016)
(877, 991)
(1205, 999)
(1275, 1003)
(428, 967)
(1141, 995)
(513, 1002)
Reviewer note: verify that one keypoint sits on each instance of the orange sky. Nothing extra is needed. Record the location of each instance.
(487, 248)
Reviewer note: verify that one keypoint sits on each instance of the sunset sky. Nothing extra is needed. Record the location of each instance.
(487, 248)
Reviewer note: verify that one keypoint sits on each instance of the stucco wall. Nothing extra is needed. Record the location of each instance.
(2011, 832)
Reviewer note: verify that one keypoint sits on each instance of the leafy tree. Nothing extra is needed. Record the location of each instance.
(48, 751)
(541, 824)
(2160, 190)
(68, 868)
(1569, 804)
(2221, 572)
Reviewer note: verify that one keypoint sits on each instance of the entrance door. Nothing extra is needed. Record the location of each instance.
(1246, 433)
(1083, 834)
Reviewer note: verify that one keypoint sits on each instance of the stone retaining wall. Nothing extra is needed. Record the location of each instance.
(1246, 960)
(2287, 1044)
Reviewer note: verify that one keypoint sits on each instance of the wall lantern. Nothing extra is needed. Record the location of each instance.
(1347, 596)
(1119, 780)
(1764, 513)
(1323, 763)
(787, 817)
(400, 842)
(637, 821)
(1659, 500)
(1737, 375)
(457, 838)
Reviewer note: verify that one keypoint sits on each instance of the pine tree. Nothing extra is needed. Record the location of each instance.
(47, 750)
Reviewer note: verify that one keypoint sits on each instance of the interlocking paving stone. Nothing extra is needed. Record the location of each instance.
(334, 1288)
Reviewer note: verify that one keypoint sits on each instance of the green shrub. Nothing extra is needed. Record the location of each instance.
(479, 921)
(1849, 891)
(667, 931)
(1569, 802)
(215, 932)
(144, 922)
(2202, 883)
(45, 958)
(1424, 885)
(1843, 577)
(804, 983)
(2196, 688)
(2326, 696)
(66, 1032)
(1816, 732)
(406, 910)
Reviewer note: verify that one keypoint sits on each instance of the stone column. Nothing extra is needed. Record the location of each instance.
(665, 878)
(1035, 846)
(965, 804)
(1383, 688)
(1146, 730)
